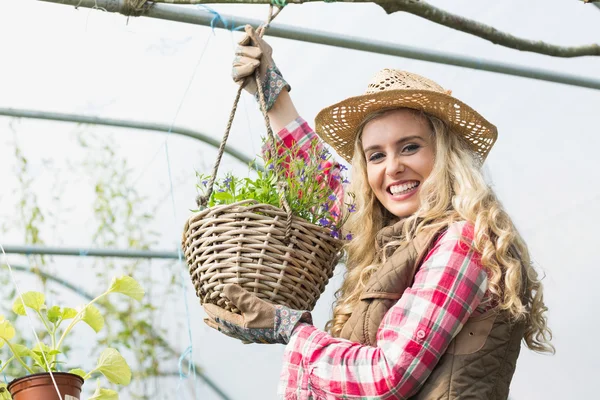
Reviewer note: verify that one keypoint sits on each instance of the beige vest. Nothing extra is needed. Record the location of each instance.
(479, 362)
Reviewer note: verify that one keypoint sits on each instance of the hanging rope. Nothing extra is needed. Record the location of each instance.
(133, 8)
(202, 201)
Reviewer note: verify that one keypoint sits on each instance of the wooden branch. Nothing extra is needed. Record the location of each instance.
(437, 15)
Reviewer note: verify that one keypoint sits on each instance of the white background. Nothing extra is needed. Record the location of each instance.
(544, 167)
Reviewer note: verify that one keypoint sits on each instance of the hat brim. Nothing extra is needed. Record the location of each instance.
(337, 124)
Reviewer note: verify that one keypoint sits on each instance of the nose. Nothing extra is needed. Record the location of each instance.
(394, 166)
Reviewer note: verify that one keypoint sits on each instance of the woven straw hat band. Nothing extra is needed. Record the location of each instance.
(337, 124)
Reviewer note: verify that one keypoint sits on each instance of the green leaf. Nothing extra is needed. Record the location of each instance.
(41, 347)
(223, 196)
(79, 372)
(68, 313)
(22, 351)
(4, 393)
(128, 286)
(104, 394)
(114, 367)
(7, 331)
(91, 316)
(54, 314)
(34, 300)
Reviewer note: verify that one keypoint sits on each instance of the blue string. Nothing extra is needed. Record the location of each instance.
(279, 3)
(188, 352)
(218, 17)
(191, 367)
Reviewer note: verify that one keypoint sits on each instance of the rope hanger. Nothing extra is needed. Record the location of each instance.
(202, 201)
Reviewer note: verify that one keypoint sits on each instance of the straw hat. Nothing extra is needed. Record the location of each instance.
(337, 124)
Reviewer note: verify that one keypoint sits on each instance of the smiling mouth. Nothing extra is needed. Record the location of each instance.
(404, 188)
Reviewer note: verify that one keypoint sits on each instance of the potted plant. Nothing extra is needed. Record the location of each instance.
(41, 362)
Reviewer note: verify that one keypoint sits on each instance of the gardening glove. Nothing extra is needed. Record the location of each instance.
(253, 52)
(259, 322)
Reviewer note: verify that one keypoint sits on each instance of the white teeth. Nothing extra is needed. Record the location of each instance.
(399, 189)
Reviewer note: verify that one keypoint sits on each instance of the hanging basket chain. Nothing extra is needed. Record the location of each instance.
(202, 201)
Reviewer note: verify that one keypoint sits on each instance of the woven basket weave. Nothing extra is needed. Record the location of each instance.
(244, 243)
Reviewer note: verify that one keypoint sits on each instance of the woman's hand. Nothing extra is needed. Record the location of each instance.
(252, 53)
(259, 322)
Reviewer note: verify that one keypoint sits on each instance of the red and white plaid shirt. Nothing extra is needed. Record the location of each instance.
(449, 287)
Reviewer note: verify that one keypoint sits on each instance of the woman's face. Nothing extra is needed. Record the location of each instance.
(399, 152)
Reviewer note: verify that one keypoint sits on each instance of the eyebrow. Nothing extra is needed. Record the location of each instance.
(399, 142)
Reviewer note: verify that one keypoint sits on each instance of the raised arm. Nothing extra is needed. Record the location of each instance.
(291, 129)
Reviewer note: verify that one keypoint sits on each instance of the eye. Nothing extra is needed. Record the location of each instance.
(411, 148)
(375, 156)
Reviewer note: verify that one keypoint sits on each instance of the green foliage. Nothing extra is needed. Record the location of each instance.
(4, 395)
(123, 217)
(305, 180)
(43, 357)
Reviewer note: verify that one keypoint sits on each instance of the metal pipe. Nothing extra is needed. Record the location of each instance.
(82, 252)
(83, 119)
(154, 335)
(197, 16)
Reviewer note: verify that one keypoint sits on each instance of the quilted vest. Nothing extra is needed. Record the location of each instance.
(481, 359)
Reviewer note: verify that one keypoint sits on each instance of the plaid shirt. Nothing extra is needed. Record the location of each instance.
(449, 287)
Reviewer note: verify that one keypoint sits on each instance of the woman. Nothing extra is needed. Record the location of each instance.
(439, 289)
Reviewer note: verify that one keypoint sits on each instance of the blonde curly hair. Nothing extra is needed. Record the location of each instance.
(454, 191)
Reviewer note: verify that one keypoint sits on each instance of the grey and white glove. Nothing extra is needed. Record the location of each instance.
(252, 53)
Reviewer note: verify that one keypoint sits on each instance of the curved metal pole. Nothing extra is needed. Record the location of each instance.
(84, 119)
(154, 335)
(81, 252)
(194, 15)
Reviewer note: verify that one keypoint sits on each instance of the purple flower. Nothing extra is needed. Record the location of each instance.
(349, 236)
(323, 222)
(345, 181)
(302, 178)
(220, 190)
(227, 181)
(334, 214)
(325, 206)
(332, 197)
(270, 166)
(343, 167)
(352, 208)
(335, 234)
(204, 183)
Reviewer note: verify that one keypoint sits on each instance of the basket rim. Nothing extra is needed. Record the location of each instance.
(254, 205)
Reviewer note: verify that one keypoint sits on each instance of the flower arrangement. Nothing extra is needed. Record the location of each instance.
(309, 176)
(43, 357)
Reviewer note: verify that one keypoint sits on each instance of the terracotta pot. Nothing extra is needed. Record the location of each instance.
(41, 387)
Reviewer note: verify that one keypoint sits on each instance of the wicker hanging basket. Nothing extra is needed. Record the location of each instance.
(245, 243)
(266, 250)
